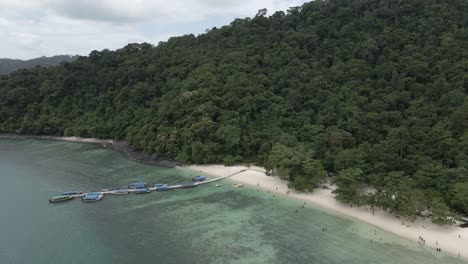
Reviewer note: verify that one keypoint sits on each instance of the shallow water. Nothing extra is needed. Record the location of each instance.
(200, 225)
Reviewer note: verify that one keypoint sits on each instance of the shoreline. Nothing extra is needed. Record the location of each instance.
(444, 237)
(121, 146)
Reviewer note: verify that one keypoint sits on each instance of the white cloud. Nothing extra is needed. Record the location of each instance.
(3, 22)
(162, 11)
(32, 28)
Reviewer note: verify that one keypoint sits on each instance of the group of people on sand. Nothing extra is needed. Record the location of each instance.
(421, 240)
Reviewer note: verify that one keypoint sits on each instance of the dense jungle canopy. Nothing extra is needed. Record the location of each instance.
(371, 92)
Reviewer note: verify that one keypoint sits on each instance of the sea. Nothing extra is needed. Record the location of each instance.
(206, 224)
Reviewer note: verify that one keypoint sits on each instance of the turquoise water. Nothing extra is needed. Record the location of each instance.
(200, 225)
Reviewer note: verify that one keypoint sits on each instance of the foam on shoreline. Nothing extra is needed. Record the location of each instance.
(444, 237)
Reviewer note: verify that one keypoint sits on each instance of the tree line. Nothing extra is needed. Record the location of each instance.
(372, 93)
(10, 65)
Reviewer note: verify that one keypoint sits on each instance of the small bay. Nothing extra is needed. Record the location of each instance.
(200, 225)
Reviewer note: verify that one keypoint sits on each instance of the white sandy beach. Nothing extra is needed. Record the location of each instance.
(446, 236)
(68, 139)
(80, 139)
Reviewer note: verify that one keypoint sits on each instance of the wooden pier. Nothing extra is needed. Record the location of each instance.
(179, 186)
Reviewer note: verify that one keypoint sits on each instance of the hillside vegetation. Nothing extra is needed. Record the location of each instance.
(373, 93)
(10, 65)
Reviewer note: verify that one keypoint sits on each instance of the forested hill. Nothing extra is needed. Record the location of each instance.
(11, 65)
(371, 92)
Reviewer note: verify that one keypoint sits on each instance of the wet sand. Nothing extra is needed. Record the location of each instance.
(444, 237)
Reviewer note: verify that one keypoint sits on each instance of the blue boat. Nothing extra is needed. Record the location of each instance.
(162, 187)
(189, 185)
(137, 185)
(199, 178)
(72, 193)
(142, 191)
(92, 197)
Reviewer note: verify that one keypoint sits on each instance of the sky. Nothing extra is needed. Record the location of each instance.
(34, 28)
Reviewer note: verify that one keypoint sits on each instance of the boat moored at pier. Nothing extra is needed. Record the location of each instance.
(137, 185)
(72, 193)
(92, 197)
(188, 185)
(142, 191)
(61, 198)
(119, 192)
(199, 178)
(162, 187)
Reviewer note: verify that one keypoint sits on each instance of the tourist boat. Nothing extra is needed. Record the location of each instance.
(72, 193)
(92, 197)
(219, 185)
(199, 178)
(110, 189)
(61, 198)
(162, 187)
(238, 185)
(137, 185)
(189, 185)
(142, 191)
(119, 192)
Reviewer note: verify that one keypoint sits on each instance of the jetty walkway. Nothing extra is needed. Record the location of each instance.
(179, 186)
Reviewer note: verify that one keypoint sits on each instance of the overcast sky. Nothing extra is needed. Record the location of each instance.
(34, 28)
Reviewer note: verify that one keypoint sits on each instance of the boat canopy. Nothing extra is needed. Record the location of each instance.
(188, 185)
(71, 193)
(142, 190)
(199, 178)
(137, 185)
(91, 196)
